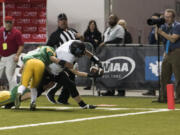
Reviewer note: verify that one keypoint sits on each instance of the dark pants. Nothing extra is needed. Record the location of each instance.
(65, 94)
(170, 65)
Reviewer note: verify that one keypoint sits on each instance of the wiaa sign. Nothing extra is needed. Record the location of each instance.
(118, 67)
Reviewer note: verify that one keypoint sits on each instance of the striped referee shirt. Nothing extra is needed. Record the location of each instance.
(60, 36)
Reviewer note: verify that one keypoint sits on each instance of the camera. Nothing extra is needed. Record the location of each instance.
(157, 22)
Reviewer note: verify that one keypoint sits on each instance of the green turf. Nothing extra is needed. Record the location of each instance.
(166, 123)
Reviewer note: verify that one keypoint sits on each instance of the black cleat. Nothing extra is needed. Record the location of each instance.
(89, 106)
(9, 106)
(33, 106)
(50, 97)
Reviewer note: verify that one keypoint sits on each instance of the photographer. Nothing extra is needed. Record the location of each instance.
(170, 31)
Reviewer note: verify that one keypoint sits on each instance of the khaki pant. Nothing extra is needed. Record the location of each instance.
(8, 64)
(170, 65)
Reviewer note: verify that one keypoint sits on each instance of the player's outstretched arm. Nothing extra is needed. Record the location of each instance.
(62, 63)
(78, 73)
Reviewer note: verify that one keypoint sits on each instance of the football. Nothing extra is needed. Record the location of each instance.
(97, 70)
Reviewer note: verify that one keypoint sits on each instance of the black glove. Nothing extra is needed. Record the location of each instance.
(94, 75)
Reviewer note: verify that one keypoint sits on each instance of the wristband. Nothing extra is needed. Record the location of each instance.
(62, 63)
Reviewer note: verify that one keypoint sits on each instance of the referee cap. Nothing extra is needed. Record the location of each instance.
(62, 16)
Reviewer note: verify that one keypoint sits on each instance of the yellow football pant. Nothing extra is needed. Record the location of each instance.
(4, 97)
(32, 72)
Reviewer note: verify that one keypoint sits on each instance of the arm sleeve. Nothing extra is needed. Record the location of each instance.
(53, 40)
(50, 52)
(176, 29)
(120, 33)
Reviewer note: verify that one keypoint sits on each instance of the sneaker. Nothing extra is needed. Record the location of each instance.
(150, 93)
(9, 106)
(109, 93)
(33, 106)
(87, 88)
(89, 106)
(17, 101)
(50, 97)
(121, 93)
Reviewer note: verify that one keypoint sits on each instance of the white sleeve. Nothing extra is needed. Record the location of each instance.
(55, 69)
(120, 32)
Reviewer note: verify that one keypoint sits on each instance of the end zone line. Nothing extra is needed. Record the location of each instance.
(83, 119)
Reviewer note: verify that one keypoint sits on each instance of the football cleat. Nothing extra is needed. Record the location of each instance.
(33, 106)
(50, 97)
(89, 106)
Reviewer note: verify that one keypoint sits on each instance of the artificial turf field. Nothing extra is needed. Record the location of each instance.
(131, 116)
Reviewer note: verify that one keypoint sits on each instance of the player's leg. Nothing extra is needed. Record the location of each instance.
(66, 82)
(65, 94)
(38, 71)
(27, 74)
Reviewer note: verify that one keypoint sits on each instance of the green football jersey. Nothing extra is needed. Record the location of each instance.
(42, 53)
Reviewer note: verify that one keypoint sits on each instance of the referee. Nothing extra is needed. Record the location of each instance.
(57, 38)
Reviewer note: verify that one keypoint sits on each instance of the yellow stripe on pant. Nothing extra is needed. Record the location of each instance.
(33, 71)
(4, 97)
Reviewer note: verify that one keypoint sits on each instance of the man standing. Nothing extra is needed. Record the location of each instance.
(114, 34)
(11, 46)
(171, 33)
(60, 36)
(152, 41)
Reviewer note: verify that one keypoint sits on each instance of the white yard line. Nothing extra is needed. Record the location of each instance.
(83, 119)
(98, 108)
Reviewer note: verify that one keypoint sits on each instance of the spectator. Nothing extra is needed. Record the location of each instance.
(11, 47)
(127, 40)
(151, 37)
(152, 40)
(114, 34)
(127, 36)
(56, 39)
(170, 31)
(93, 36)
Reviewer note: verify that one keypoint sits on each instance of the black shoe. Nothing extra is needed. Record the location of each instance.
(9, 106)
(108, 93)
(87, 88)
(50, 97)
(33, 106)
(63, 103)
(150, 93)
(121, 93)
(89, 106)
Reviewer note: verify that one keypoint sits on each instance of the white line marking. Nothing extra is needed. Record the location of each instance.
(82, 119)
(99, 108)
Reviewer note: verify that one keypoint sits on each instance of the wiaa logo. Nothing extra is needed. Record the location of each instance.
(118, 67)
